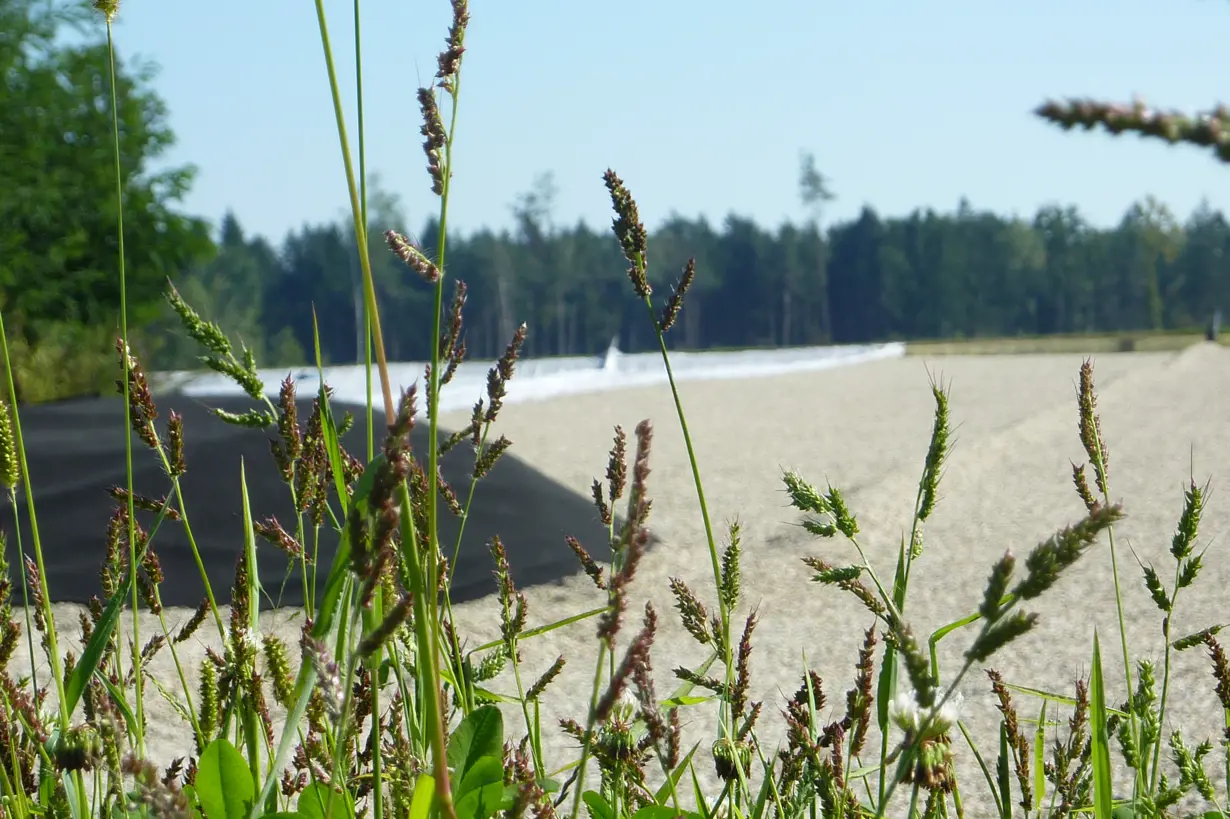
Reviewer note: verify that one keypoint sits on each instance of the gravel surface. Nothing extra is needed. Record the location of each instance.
(865, 429)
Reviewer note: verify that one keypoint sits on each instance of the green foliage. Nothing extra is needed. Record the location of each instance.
(223, 782)
(384, 716)
(59, 280)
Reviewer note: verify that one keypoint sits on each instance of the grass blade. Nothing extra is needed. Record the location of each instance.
(1100, 756)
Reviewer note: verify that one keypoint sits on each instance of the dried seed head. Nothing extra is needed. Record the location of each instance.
(452, 348)
(861, 697)
(499, 375)
(937, 454)
(287, 445)
(587, 563)
(632, 236)
(450, 60)
(151, 796)
(536, 690)
(142, 412)
(10, 466)
(189, 628)
(604, 511)
(435, 139)
(617, 466)
(743, 670)
(1082, 487)
(636, 656)
(384, 632)
(175, 444)
(412, 257)
(1090, 427)
(271, 530)
(491, 453)
(692, 612)
(671, 312)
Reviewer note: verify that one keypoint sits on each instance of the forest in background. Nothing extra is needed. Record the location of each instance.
(926, 275)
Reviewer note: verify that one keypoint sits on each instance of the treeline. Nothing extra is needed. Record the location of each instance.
(927, 275)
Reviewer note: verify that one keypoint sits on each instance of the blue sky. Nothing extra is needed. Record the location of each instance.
(702, 106)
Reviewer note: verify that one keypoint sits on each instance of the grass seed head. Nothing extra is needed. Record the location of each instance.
(631, 233)
(1090, 427)
(435, 138)
(10, 465)
(675, 303)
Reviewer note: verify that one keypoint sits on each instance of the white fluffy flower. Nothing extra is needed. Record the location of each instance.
(907, 715)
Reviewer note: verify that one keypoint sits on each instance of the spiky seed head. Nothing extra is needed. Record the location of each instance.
(108, 8)
(10, 466)
(631, 233)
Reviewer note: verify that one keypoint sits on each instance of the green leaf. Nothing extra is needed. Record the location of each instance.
(598, 807)
(92, 655)
(1101, 741)
(223, 782)
(1039, 758)
(675, 776)
(283, 815)
(480, 734)
(319, 801)
(676, 702)
(249, 553)
(538, 630)
(421, 800)
(481, 788)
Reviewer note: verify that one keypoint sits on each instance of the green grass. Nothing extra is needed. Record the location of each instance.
(390, 712)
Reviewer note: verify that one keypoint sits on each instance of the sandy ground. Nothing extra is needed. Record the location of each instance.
(866, 430)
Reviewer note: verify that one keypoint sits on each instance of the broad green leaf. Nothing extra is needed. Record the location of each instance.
(481, 788)
(480, 734)
(223, 782)
(283, 815)
(1100, 756)
(319, 801)
(424, 794)
(676, 702)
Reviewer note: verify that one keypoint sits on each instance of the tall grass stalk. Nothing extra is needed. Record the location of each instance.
(129, 416)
